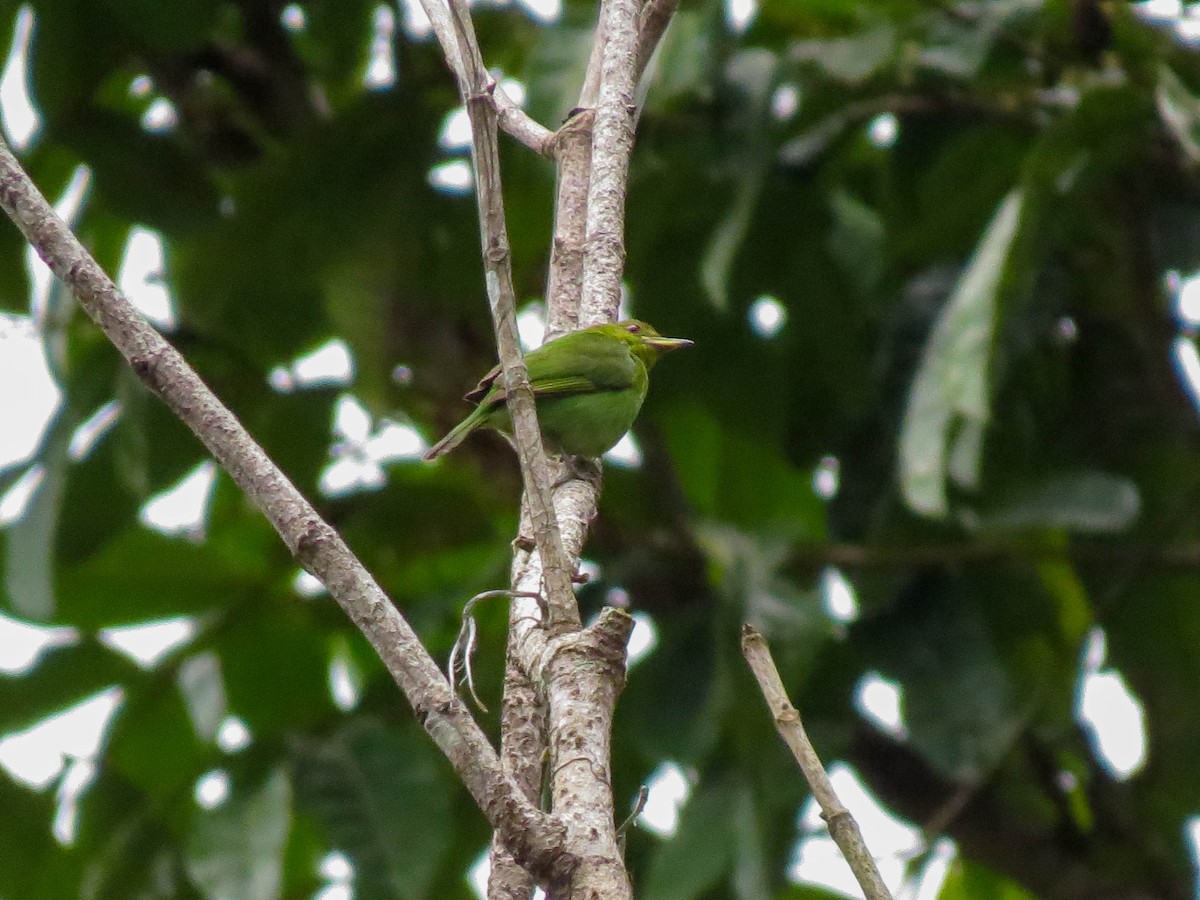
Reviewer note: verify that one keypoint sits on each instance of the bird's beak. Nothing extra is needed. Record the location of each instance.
(663, 344)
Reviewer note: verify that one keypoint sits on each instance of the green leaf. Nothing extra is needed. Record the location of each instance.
(29, 547)
(556, 65)
(852, 59)
(204, 694)
(124, 847)
(811, 143)
(733, 478)
(951, 388)
(754, 74)
(1179, 109)
(1152, 638)
(717, 260)
(30, 542)
(180, 25)
(1089, 502)
(702, 851)
(33, 866)
(750, 875)
(236, 850)
(679, 70)
(142, 576)
(857, 240)
(380, 793)
(969, 881)
(63, 677)
(964, 703)
(809, 892)
(336, 41)
(959, 47)
(145, 178)
(153, 744)
(275, 660)
(747, 568)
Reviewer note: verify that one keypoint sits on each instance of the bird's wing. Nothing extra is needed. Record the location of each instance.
(608, 364)
(480, 390)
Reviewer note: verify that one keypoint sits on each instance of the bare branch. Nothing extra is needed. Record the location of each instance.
(515, 122)
(589, 93)
(604, 256)
(533, 836)
(564, 284)
(586, 672)
(452, 24)
(577, 674)
(842, 826)
(523, 742)
(465, 61)
(655, 17)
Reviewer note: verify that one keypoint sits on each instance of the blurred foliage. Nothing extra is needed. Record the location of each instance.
(970, 218)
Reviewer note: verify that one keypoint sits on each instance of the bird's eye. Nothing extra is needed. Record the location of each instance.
(633, 328)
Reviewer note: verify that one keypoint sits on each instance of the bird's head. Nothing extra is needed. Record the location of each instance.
(644, 342)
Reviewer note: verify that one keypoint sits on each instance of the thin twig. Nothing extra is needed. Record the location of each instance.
(534, 837)
(589, 92)
(523, 738)
(655, 17)
(517, 123)
(842, 826)
(463, 57)
(452, 25)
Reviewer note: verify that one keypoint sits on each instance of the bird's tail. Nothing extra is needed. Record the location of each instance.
(455, 437)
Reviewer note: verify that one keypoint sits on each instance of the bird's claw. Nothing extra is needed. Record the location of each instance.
(579, 468)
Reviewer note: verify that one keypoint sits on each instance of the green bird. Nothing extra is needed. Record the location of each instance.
(589, 386)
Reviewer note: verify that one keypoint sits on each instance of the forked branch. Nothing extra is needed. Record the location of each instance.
(452, 25)
(535, 838)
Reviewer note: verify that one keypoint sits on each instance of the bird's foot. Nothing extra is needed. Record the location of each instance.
(581, 468)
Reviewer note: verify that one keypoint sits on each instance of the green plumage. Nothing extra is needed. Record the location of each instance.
(589, 386)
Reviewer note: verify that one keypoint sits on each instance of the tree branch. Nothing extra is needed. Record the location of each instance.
(452, 25)
(534, 838)
(564, 283)
(515, 122)
(652, 23)
(523, 740)
(573, 676)
(604, 254)
(842, 826)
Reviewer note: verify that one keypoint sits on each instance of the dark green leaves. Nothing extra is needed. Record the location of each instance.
(977, 321)
(379, 793)
(236, 850)
(1087, 502)
(703, 849)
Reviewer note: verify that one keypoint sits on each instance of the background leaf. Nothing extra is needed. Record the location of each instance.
(951, 389)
